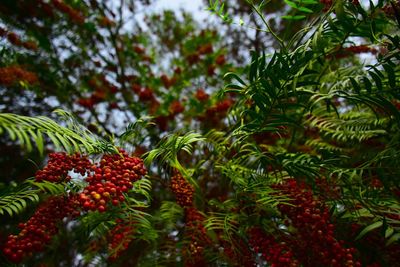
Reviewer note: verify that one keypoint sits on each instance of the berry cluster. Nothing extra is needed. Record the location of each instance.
(238, 253)
(95, 98)
(58, 166)
(14, 39)
(217, 112)
(205, 49)
(327, 4)
(101, 88)
(146, 94)
(99, 83)
(37, 232)
(168, 82)
(176, 107)
(108, 181)
(276, 254)
(182, 189)
(193, 58)
(201, 95)
(112, 178)
(391, 8)
(162, 122)
(220, 60)
(13, 74)
(376, 252)
(314, 242)
(119, 239)
(138, 49)
(211, 70)
(73, 14)
(357, 49)
(192, 215)
(328, 189)
(222, 106)
(106, 22)
(194, 255)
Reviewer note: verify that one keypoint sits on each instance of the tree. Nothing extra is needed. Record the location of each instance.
(292, 163)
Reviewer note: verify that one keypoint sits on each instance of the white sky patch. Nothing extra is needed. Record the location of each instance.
(197, 7)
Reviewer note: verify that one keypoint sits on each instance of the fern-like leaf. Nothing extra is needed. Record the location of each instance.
(15, 202)
(77, 139)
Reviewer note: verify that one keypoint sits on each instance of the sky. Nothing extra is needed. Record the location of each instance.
(197, 7)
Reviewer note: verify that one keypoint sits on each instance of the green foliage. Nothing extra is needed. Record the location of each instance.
(219, 10)
(17, 200)
(73, 139)
(307, 129)
(303, 7)
(169, 147)
(170, 213)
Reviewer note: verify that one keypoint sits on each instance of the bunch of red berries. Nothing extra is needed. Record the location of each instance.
(13, 74)
(220, 60)
(328, 189)
(216, 113)
(276, 253)
(357, 49)
(14, 39)
(313, 243)
(119, 238)
(106, 22)
(238, 253)
(376, 252)
(327, 4)
(168, 82)
(193, 58)
(96, 97)
(182, 189)
(201, 95)
(73, 14)
(194, 226)
(112, 178)
(194, 255)
(176, 107)
(37, 232)
(162, 122)
(146, 94)
(220, 107)
(101, 88)
(205, 49)
(391, 8)
(58, 166)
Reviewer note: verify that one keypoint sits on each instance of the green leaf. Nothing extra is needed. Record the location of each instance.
(377, 80)
(297, 17)
(292, 4)
(306, 10)
(233, 88)
(389, 231)
(368, 84)
(253, 66)
(9, 211)
(24, 128)
(230, 75)
(369, 228)
(391, 75)
(394, 238)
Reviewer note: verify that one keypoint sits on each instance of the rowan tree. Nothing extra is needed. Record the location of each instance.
(168, 149)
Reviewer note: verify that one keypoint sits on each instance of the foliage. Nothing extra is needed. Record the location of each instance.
(293, 162)
(76, 139)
